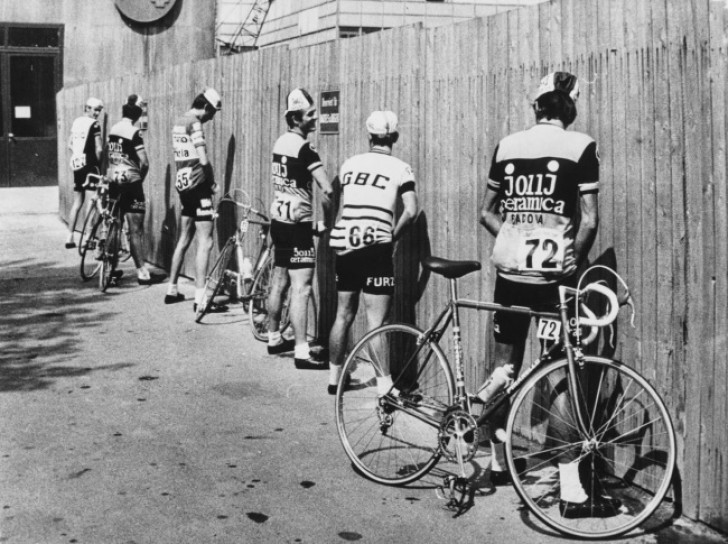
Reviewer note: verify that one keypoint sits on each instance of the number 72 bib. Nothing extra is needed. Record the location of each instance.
(537, 250)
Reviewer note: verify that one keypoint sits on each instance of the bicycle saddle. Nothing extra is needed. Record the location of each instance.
(450, 269)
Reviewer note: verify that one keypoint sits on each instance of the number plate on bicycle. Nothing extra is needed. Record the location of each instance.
(549, 329)
(244, 226)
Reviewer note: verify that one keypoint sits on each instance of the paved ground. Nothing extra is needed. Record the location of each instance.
(123, 421)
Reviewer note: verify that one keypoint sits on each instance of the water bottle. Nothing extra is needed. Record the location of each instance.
(247, 269)
(501, 378)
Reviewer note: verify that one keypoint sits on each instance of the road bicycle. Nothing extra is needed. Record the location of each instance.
(102, 249)
(593, 410)
(93, 212)
(247, 282)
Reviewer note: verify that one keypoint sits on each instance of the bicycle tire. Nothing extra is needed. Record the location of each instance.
(215, 279)
(384, 442)
(90, 265)
(88, 225)
(110, 255)
(628, 453)
(258, 303)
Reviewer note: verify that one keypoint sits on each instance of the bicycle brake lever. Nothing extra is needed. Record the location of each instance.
(627, 300)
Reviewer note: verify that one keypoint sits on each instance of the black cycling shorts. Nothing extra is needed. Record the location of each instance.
(79, 178)
(512, 328)
(130, 195)
(293, 244)
(197, 203)
(369, 270)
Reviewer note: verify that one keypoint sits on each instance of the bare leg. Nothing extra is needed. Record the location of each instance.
(78, 198)
(204, 247)
(301, 279)
(187, 233)
(346, 308)
(278, 286)
(136, 233)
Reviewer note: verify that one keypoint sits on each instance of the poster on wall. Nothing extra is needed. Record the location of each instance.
(329, 112)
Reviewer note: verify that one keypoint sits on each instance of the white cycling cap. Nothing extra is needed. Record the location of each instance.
(559, 81)
(213, 98)
(298, 100)
(382, 123)
(94, 103)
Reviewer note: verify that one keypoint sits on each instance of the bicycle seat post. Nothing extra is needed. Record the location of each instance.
(458, 348)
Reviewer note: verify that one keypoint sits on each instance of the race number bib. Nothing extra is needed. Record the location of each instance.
(123, 175)
(541, 250)
(549, 329)
(287, 208)
(183, 179)
(360, 234)
(78, 162)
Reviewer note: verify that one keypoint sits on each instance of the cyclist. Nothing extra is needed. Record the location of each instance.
(127, 166)
(296, 165)
(364, 235)
(541, 205)
(86, 148)
(195, 184)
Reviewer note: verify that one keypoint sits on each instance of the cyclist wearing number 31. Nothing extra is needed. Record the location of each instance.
(296, 165)
(364, 235)
(195, 184)
(541, 205)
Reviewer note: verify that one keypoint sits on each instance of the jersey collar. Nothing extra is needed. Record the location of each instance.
(381, 150)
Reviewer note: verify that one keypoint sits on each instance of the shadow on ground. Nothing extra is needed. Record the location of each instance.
(44, 318)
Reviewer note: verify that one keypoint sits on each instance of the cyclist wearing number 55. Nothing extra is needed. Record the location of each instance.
(127, 166)
(541, 205)
(296, 165)
(195, 184)
(364, 234)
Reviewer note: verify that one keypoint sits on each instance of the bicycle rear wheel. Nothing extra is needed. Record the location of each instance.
(258, 303)
(215, 279)
(110, 255)
(90, 265)
(395, 442)
(88, 225)
(627, 455)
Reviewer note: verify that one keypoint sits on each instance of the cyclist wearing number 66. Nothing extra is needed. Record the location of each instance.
(195, 184)
(364, 237)
(541, 205)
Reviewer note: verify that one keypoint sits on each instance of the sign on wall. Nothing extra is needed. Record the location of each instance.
(329, 112)
(144, 11)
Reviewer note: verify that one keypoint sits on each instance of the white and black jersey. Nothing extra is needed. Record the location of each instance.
(371, 183)
(539, 175)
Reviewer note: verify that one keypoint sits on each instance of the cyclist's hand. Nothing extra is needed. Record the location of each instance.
(213, 187)
(320, 228)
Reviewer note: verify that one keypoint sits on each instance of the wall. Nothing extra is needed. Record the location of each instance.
(97, 37)
(654, 77)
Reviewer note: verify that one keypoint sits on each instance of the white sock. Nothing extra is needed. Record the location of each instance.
(385, 385)
(199, 295)
(143, 273)
(302, 351)
(497, 456)
(274, 338)
(172, 289)
(335, 373)
(571, 489)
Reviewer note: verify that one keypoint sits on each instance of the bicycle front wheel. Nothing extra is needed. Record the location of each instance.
(215, 279)
(627, 455)
(110, 255)
(258, 303)
(90, 265)
(395, 442)
(88, 225)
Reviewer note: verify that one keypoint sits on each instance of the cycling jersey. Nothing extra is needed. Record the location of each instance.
(539, 175)
(371, 183)
(187, 138)
(82, 142)
(122, 152)
(294, 159)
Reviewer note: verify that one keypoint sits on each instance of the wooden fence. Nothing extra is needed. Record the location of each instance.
(654, 78)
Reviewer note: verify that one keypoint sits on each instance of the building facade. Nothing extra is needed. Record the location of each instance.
(242, 24)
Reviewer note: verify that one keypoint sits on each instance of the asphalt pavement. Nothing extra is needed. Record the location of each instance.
(122, 421)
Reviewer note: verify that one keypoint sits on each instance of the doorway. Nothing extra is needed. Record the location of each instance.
(30, 77)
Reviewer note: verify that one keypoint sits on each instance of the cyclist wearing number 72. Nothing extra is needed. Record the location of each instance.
(541, 205)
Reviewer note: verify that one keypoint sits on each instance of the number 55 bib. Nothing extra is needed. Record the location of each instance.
(530, 252)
